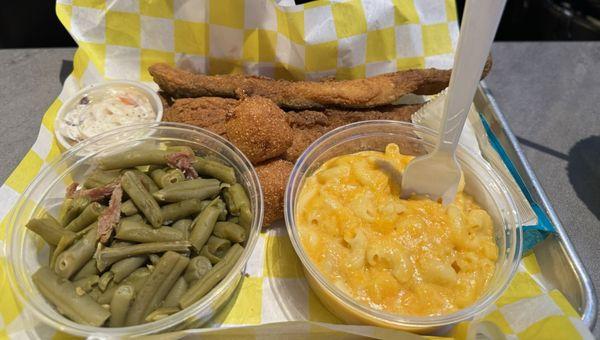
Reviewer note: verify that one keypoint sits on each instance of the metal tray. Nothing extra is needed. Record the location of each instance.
(560, 265)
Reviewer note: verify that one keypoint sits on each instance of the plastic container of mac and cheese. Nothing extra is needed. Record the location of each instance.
(481, 182)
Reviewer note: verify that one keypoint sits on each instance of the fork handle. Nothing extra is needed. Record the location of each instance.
(479, 24)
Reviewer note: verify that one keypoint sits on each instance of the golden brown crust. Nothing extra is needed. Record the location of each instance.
(357, 93)
(273, 176)
(258, 128)
(208, 113)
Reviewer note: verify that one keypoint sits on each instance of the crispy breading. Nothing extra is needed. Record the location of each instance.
(258, 128)
(310, 125)
(208, 112)
(273, 176)
(357, 93)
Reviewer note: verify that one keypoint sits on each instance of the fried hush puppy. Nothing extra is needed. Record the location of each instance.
(273, 176)
(258, 128)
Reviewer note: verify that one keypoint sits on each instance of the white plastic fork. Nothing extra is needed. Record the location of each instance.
(437, 174)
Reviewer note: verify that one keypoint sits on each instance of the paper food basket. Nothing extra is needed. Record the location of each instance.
(344, 39)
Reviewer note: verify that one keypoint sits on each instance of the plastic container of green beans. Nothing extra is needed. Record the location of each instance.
(27, 252)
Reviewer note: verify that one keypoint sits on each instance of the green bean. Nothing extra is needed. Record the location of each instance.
(135, 218)
(138, 232)
(236, 198)
(88, 269)
(172, 299)
(197, 183)
(86, 284)
(95, 294)
(105, 279)
(180, 195)
(65, 242)
(61, 293)
(108, 256)
(123, 268)
(136, 279)
(179, 210)
(74, 258)
(174, 176)
(214, 259)
(128, 208)
(161, 313)
(197, 268)
(233, 219)
(88, 216)
(214, 169)
(47, 228)
(214, 276)
(154, 258)
(158, 176)
(218, 246)
(231, 231)
(147, 182)
(119, 305)
(142, 198)
(183, 226)
(134, 157)
(203, 226)
(71, 208)
(99, 178)
(158, 285)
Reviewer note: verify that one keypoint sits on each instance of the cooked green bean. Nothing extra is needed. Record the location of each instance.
(136, 218)
(108, 256)
(135, 157)
(218, 246)
(61, 293)
(214, 169)
(128, 208)
(138, 232)
(65, 242)
(95, 294)
(231, 231)
(179, 210)
(181, 195)
(161, 313)
(197, 183)
(197, 268)
(99, 178)
(136, 279)
(142, 198)
(88, 269)
(158, 285)
(203, 226)
(48, 228)
(147, 182)
(214, 259)
(71, 208)
(105, 279)
(119, 305)
(183, 226)
(74, 258)
(123, 268)
(174, 176)
(86, 283)
(214, 276)
(233, 219)
(172, 299)
(88, 216)
(158, 176)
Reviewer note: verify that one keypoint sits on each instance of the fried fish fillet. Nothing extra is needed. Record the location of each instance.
(273, 176)
(357, 93)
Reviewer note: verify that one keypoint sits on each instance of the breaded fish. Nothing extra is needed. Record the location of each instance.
(273, 176)
(357, 93)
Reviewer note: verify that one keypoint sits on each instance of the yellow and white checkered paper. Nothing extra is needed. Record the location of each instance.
(344, 39)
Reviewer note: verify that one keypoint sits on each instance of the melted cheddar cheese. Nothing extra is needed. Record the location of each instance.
(409, 257)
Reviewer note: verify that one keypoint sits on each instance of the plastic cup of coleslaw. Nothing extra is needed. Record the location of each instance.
(26, 252)
(68, 128)
(482, 182)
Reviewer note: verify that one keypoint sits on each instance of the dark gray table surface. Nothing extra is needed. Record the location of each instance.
(548, 91)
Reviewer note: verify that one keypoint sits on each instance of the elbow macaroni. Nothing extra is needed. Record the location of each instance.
(411, 257)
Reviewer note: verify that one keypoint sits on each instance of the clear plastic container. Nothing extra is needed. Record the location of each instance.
(26, 251)
(481, 182)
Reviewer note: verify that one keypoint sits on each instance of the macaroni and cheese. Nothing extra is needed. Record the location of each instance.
(410, 257)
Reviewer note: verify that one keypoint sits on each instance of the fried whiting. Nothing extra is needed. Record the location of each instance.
(357, 93)
(273, 176)
(259, 129)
